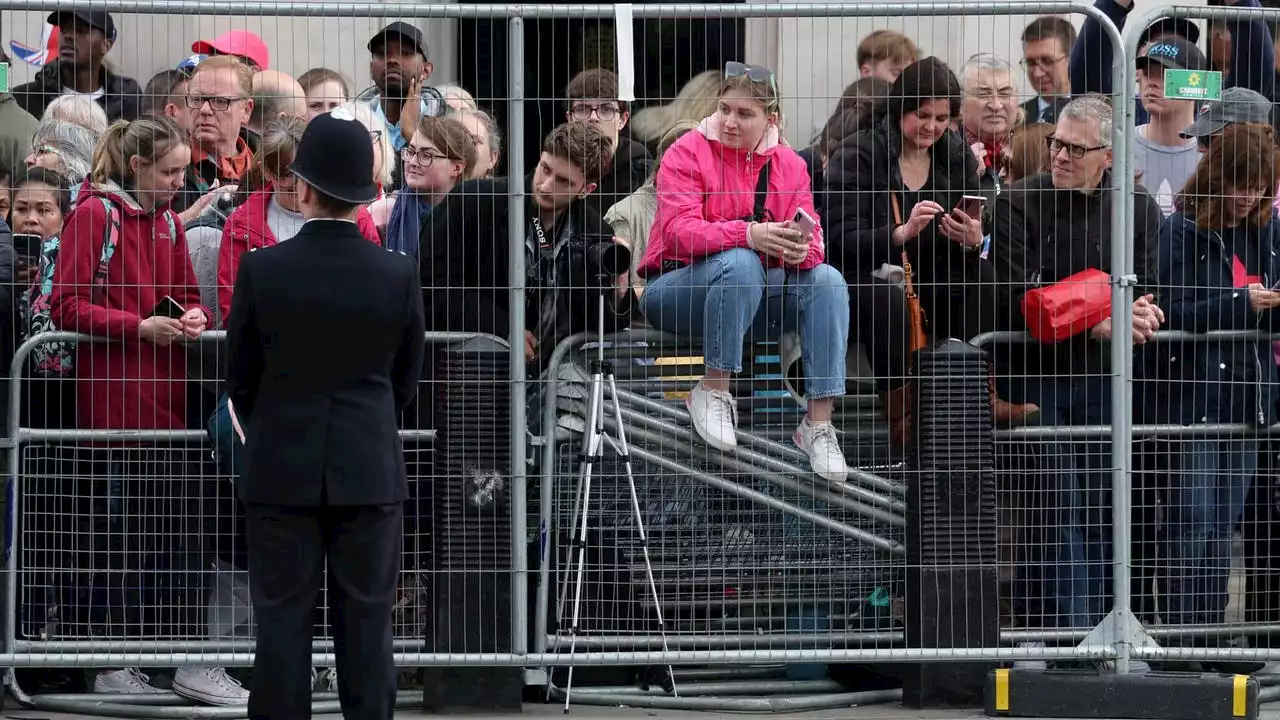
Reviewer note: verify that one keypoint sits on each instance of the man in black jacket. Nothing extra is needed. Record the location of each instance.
(85, 38)
(593, 98)
(1048, 227)
(325, 340)
(466, 242)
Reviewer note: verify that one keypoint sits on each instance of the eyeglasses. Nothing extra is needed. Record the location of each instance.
(421, 156)
(986, 94)
(1076, 151)
(1041, 63)
(218, 103)
(375, 136)
(604, 112)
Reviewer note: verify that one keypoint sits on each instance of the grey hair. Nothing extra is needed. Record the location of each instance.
(490, 125)
(79, 109)
(74, 143)
(985, 61)
(1091, 107)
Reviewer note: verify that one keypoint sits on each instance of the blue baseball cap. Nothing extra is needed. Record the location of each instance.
(190, 63)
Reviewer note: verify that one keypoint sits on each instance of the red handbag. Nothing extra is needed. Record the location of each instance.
(1068, 307)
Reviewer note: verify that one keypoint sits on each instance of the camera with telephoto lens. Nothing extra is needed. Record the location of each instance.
(602, 259)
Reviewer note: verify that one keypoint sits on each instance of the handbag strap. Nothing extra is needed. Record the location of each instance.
(762, 193)
(906, 264)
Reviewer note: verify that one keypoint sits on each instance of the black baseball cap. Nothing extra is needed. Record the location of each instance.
(96, 19)
(404, 31)
(1173, 53)
(1164, 27)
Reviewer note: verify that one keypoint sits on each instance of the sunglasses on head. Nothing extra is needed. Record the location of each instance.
(754, 73)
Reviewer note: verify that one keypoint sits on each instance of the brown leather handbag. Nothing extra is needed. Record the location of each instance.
(915, 314)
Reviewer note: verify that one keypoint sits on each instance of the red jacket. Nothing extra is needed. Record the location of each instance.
(128, 384)
(706, 189)
(247, 230)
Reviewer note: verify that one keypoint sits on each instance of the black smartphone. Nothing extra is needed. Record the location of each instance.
(168, 307)
(27, 245)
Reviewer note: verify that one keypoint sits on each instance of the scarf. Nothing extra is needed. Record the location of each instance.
(405, 224)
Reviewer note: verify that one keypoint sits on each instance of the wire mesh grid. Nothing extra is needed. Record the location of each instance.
(146, 543)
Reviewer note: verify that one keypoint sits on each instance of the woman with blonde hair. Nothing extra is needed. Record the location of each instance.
(696, 100)
(384, 153)
(632, 217)
(737, 251)
(1217, 271)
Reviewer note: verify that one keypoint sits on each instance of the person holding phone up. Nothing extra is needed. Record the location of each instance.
(736, 250)
(896, 194)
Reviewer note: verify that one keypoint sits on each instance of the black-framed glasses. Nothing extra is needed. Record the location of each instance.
(1076, 151)
(375, 136)
(220, 103)
(604, 112)
(422, 156)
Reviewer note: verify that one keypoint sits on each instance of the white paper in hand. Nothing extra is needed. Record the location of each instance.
(235, 421)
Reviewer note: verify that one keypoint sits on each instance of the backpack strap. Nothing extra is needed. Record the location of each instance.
(762, 193)
(110, 238)
(173, 230)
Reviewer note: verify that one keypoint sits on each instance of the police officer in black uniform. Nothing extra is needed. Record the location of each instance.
(325, 346)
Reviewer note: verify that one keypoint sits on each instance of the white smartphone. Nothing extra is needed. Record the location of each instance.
(805, 221)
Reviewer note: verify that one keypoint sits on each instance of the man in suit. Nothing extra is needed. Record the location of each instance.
(325, 340)
(1046, 48)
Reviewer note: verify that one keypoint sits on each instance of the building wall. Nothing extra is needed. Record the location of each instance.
(147, 44)
(815, 58)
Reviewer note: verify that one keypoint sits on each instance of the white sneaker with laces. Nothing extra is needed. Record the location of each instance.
(820, 443)
(209, 685)
(715, 416)
(128, 681)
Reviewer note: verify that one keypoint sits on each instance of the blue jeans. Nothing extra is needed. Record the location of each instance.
(727, 297)
(1072, 559)
(1205, 492)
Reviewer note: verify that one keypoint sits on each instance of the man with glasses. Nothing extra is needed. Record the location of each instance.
(219, 101)
(1046, 46)
(593, 98)
(1047, 227)
(988, 112)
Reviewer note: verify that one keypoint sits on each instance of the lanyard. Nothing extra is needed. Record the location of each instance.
(544, 242)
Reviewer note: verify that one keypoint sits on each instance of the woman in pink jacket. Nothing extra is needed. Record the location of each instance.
(736, 251)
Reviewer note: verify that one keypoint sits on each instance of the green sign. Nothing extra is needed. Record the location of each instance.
(4, 77)
(1193, 84)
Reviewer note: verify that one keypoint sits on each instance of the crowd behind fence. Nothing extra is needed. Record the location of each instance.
(755, 560)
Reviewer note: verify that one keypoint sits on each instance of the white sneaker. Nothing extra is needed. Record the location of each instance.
(129, 681)
(822, 446)
(209, 685)
(715, 416)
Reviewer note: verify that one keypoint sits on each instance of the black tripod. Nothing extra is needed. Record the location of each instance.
(593, 440)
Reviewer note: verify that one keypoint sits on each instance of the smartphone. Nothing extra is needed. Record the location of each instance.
(27, 245)
(168, 307)
(972, 206)
(805, 221)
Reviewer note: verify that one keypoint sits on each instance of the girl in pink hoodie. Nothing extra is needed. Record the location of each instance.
(736, 250)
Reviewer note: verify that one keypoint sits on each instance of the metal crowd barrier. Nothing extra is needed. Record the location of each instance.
(871, 495)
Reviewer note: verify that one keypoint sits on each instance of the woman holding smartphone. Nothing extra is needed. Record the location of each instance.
(896, 191)
(736, 251)
(1217, 271)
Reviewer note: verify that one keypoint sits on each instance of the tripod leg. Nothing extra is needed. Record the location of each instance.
(624, 451)
(593, 446)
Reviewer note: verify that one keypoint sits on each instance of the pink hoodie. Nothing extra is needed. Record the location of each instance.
(706, 190)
